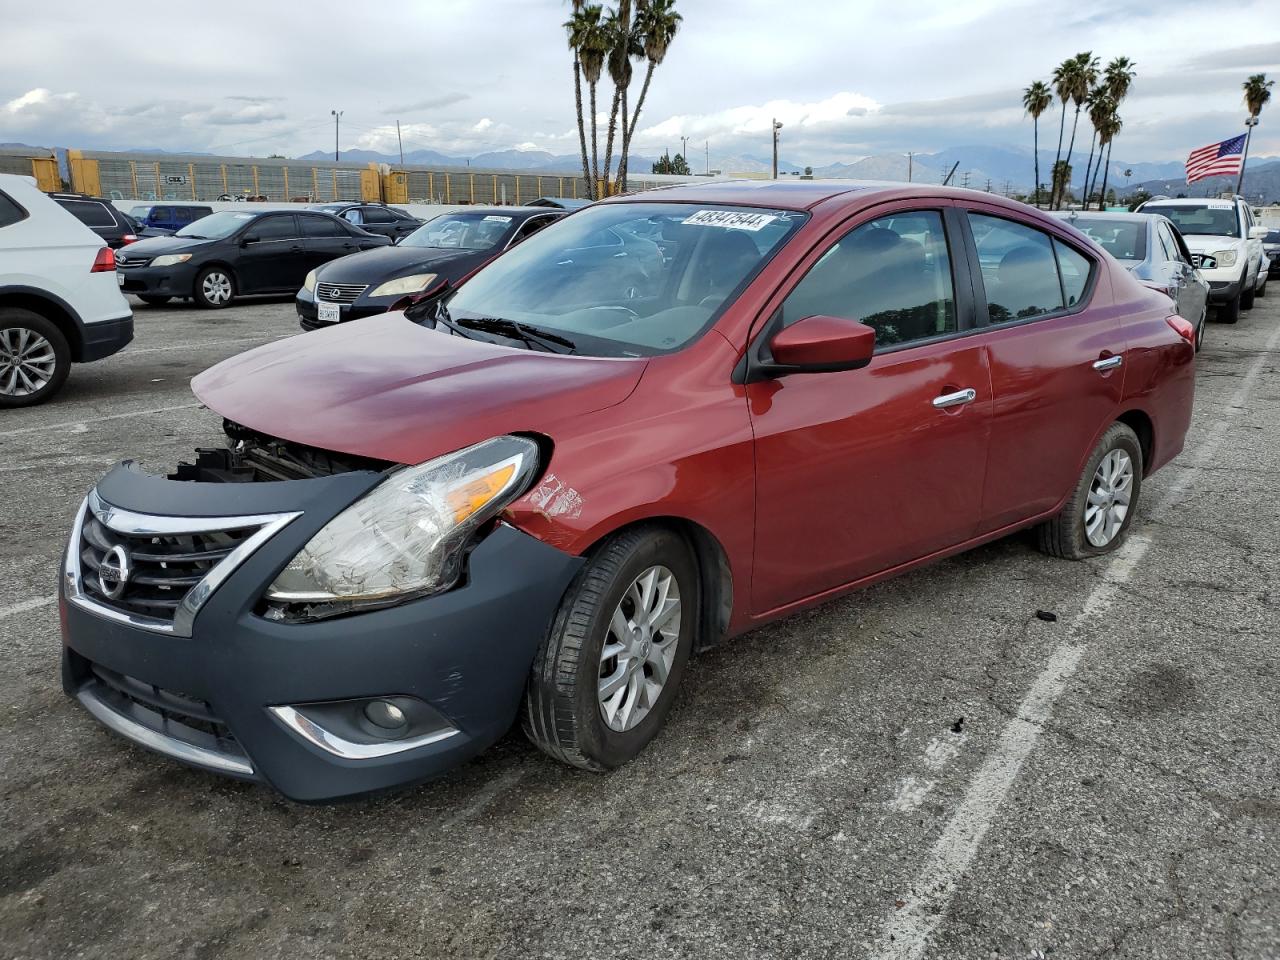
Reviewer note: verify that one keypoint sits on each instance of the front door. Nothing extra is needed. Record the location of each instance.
(860, 471)
(1057, 362)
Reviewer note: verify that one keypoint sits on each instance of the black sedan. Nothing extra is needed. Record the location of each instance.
(374, 217)
(233, 254)
(449, 247)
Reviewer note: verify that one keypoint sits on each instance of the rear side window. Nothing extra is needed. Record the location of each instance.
(893, 274)
(10, 212)
(275, 228)
(1074, 268)
(164, 214)
(1019, 269)
(90, 213)
(321, 227)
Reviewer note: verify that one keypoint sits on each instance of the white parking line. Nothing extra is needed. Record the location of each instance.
(906, 933)
(85, 421)
(194, 345)
(33, 604)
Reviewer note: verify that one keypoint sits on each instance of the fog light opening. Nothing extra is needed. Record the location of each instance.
(386, 716)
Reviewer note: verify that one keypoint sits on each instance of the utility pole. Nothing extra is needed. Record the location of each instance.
(988, 184)
(708, 158)
(337, 119)
(965, 180)
(401, 142)
(776, 127)
(1250, 123)
(910, 155)
(684, 148)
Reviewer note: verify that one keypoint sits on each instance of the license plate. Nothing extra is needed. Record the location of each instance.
(328, 312)
(120, 279)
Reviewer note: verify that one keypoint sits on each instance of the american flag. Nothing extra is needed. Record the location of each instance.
(1217, 159)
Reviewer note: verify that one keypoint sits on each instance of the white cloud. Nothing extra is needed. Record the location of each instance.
(481, 125)
(837, 110)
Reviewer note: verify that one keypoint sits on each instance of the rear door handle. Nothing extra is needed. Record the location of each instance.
(955, 399)
(1108, 363)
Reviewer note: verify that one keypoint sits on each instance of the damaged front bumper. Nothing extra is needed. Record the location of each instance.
(164, 640)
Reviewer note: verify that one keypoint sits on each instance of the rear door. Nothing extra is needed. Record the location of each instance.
(379, 220)
(862, 470)
(1057, 360)
(324, 239)
(271, 255)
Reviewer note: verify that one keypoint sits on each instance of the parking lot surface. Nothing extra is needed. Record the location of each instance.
(1001, 755)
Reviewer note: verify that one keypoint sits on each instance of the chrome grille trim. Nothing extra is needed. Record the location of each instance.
(140, 524)
(340, 292)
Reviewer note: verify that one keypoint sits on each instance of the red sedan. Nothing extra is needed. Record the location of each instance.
(665, 420)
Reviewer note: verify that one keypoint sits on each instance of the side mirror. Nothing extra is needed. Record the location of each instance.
(1258, 233)
(821, 344)
(248, 239)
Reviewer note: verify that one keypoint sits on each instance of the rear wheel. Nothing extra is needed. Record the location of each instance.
(215, 288)
(1100, 510)
(153, 301)
(34, 358)
(606, 675)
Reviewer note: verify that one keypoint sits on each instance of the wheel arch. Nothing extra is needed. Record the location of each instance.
(1140, 422)
(714, 573)
(54, 309)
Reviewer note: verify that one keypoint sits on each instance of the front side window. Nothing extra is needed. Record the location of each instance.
(353, 216)
(140, 213)
(1019, 269)
(630, 296)
(893, 274)
(1216, 221)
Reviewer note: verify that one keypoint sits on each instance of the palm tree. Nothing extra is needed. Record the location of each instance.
(1099, 105)
(1257, 91)
(1063, 83)
(656, 26)
(1083, 78)
(1106, 134)
(621, 42)
(1036, 99)
(590, 42)
(575, 37)
(1116, 79)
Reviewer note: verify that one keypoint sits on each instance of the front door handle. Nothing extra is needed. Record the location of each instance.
(1108, 363)
(955, 399)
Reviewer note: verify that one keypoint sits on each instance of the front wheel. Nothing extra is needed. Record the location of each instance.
(214, 288)
(1246, 294)
(1204, 319)
(34, 358)
(606, 675)
(1229, 312)
(1095, 519)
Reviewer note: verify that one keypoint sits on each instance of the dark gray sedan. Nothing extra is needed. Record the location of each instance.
(1153, 250)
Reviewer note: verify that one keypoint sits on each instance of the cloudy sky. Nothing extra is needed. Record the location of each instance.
(464, 76)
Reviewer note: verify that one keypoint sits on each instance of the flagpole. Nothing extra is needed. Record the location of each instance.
(1251, 122)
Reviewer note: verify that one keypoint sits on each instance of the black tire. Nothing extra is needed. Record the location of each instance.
(1229, 312)
(1246, 294)
(13, 320)
(1064, 535)
(1204, 322)
(1262, 290)
(198, 291)
(562, 713)
(153, 301)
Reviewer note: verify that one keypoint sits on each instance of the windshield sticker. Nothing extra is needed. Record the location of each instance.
(494, 219)
(730, 220)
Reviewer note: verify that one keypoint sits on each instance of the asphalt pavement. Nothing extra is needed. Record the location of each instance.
(1002, 755)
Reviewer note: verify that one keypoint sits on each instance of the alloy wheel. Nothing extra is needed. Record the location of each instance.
(27, 362)
(1109, 497)
(640, 648)
(216, 287)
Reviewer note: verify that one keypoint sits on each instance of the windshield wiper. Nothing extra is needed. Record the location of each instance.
(514, 330)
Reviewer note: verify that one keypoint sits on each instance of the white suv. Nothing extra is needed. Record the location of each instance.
(60, 302)
(1226, 245)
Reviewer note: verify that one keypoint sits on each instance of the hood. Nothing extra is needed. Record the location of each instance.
(387, 263)
(387, 388)
(155, 246)
(1207, 243)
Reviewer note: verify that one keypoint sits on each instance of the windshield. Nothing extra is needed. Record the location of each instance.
(215, 226)
(1123, 239)
(461, 231)
(628, 279)
(139, 213)
(1203, 221)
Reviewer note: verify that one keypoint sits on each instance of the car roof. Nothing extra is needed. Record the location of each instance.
(504, 211)
(807, 194)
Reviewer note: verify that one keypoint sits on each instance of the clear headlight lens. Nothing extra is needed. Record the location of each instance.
(407, 536)
(309, 284)
(169, 259)
(404, 285)
(1224, 258)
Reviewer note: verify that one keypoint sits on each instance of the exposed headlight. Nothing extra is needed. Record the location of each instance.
(169, 259)
(407, 537)
(309, 284)
(1224, 258)
(398, 288)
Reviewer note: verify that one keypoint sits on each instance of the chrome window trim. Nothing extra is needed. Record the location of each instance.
(329, 742)
(131, 729)
(144, 524)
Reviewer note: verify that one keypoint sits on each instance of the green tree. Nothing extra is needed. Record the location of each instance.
(1082, 78)
(1036, 99)
(1257, 91)
(1063, 81)
(1111, 125)
(1116, 79)
(623, 44)
(574, 29)
(657, 23)
(590, 42)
